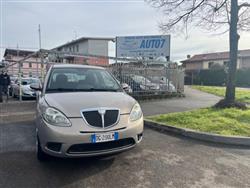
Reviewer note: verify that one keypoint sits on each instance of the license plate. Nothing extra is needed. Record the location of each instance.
(104, 137)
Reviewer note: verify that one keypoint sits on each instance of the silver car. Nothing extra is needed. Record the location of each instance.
(83, 111)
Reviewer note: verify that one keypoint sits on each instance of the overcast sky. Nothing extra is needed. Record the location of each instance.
(62, 21)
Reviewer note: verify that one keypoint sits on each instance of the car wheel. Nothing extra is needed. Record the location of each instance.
(40, 154)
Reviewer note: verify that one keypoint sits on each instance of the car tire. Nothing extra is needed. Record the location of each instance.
(40, 154)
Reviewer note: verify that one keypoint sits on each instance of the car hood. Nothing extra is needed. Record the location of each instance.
(72, 103)
(27, 87)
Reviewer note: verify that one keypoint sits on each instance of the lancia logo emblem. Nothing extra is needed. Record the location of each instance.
(102, 112)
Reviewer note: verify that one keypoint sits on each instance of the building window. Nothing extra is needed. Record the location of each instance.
(210, 64)
(30, 65)
(77, 48)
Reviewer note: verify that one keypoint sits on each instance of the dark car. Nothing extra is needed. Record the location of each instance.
(135, 86)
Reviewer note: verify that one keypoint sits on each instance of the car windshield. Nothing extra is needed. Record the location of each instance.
(28, 81)
(81, 79)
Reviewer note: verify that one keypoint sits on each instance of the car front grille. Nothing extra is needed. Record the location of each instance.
(94, 117)
(98, 147)
(110, 117)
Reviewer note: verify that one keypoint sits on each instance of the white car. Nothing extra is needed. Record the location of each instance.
(26, 91)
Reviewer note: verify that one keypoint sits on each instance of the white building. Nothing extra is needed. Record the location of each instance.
(88, 46)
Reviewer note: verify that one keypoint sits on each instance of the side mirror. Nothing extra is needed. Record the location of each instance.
(36, 86)
(124, 86)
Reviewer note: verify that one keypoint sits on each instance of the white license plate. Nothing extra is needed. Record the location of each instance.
(104, 137)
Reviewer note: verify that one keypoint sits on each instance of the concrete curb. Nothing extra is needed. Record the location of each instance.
(16, 106)
(16, 117)
(229, 140)
(16, 111)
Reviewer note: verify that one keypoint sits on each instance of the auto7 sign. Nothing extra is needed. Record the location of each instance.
(143, 46)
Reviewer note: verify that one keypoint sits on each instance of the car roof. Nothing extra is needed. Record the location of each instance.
(75, 66)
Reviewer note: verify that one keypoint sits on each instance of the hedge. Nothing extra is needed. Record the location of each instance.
(243, 78)
(217, 77)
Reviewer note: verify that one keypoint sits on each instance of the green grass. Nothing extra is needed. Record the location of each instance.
(229, 121)
(242, 95)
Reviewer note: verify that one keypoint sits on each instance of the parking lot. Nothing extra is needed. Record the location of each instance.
(160, 161)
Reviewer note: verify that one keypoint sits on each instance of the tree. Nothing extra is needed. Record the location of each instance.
(215, 16)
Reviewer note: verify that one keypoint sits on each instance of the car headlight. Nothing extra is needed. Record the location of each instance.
(135, 113)
(55, 117)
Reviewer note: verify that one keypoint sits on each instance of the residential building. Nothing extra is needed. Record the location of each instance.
(193, 65)
(95, 46)
(95, 51)
(30, 68)
(209, 60)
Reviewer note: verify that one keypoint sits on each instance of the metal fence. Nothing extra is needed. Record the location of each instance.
(138, 77)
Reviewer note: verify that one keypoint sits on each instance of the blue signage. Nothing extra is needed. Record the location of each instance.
(143, 46)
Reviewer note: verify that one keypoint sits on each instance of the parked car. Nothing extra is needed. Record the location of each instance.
(145, 83)
(165, 84)
(134, 86)
(26, 91)
(139, 83)
(83, 111)
(168, 87)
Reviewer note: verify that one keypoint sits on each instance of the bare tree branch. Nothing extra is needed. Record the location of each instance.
(222, 4)
(211, 15)
(228, 13)
(214, 16)
(187, 13)
(243, 5)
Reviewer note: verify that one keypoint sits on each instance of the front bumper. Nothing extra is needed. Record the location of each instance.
(78, 137)
(28, 95)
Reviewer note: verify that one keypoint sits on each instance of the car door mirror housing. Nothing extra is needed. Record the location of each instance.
(124, 86)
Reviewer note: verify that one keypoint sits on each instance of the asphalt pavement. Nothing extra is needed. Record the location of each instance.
(193, 99)
(159, 161)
